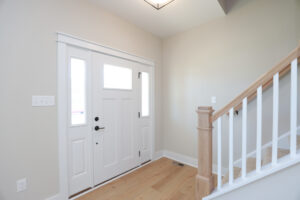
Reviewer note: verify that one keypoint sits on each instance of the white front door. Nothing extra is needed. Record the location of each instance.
(115, 116)
(109, 117)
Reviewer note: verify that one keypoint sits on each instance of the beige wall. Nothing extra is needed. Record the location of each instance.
(28, 136)
(221, 58)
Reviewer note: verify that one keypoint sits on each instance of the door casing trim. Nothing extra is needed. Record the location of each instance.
(63, 41)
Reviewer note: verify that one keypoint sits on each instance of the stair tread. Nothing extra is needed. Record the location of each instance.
(236, 171)
(267, 155)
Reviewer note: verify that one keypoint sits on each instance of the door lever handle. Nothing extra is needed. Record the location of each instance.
(97, 128)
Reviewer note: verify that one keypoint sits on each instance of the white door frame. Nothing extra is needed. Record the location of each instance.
(63, 41)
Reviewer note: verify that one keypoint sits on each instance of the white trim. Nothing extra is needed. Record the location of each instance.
(152, 112)
(181, 158)
(62, 108)
(158, 155)
(63, 40)
(254, 176)
(55, 197)
(187, 160)
(79, 42)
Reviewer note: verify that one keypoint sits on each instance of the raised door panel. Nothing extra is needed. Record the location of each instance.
(110, 136)
(127, 130)
(78, 157)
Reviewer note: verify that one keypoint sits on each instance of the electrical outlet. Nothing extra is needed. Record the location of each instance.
(213, 99)
(21, 185)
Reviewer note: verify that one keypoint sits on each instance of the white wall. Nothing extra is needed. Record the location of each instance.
(28, 136)
(222, 58)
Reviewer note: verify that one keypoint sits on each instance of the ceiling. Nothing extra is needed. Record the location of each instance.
(178, 16)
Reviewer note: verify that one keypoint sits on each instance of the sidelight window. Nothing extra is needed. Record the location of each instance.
(78, 91)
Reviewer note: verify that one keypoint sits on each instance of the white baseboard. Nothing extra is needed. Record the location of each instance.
(181, 158)
(158, 155)
(55, 197)
(187, 160)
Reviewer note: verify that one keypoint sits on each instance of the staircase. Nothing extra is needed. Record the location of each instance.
(265, 159)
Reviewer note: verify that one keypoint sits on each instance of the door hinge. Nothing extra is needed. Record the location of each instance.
(139, 74)
(139, 153)
(139, 114)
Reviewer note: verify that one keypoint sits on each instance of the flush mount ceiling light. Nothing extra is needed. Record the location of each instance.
(158, 4)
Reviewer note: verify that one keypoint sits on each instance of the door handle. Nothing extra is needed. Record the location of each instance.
(97, 128)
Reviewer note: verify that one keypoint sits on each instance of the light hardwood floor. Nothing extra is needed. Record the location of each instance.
(159, 180)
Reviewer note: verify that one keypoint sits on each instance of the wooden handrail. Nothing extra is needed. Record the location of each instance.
(265, 80)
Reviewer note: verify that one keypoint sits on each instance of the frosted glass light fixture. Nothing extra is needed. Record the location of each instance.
(158, 4)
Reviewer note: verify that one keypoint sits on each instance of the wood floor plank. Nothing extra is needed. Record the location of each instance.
(159, 180)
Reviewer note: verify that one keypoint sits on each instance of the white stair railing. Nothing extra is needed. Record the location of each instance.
(244, 139)
(259, 128)
(275, 118)
(294, 76)
(219, 153)
(231, 146)
(255, 90)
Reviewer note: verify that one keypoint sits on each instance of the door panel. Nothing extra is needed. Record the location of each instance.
(78, 149)
(145, 120)
(126, 142)
(145, 138)
(110, 133)
(116, 105)
(79, 134)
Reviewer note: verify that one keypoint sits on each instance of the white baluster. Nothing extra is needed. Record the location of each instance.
(275, 118)
(259, 119)
(244, 139)
(293, 124)
(231, 146)
(219, 152)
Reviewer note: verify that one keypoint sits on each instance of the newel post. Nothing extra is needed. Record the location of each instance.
(204, 178)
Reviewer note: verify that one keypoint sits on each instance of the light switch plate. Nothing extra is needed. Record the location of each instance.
(213, 99)
(21, 185)
(43, 101)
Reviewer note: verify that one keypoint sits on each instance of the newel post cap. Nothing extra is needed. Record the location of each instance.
(205, 109)
(204, 118)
